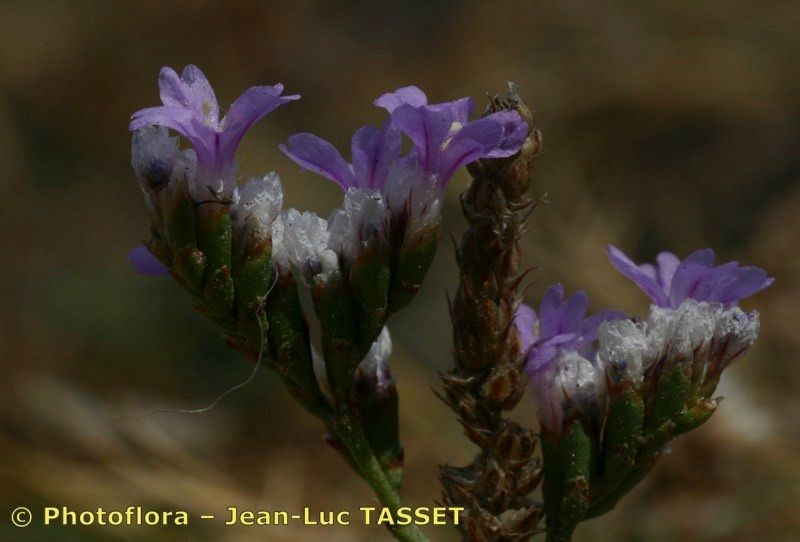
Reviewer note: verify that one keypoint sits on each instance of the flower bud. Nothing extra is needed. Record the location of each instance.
(360, 225)
(515, 170)
(569, 388)
(377, 400)
(302, 244)
(155, 157)
(255, 206)
(622, 349)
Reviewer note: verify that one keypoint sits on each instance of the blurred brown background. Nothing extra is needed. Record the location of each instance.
(667, 125)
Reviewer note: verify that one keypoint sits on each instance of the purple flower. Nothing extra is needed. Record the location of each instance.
(444, 138)
(560, 325)
(145, 263)
(559, 345)
(671, 281)
(373, 152)
(190, 108)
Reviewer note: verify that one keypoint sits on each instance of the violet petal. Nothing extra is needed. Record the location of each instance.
(402, 96)
(525, 322)
(515, 131)
(374, 150)
(475, 140)
(250, 107)
(145, 263)
(427, 127)
(643, 279)
(319, 156)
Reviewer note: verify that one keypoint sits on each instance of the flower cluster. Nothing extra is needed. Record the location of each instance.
(190, 108)
(392, 202)
(694, 321)
(243, 258)
(625, 387)
(559, 342)
(611, 391)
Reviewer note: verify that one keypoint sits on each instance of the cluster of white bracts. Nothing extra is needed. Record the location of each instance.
(705, 336)
(302, 241)
(697, 332)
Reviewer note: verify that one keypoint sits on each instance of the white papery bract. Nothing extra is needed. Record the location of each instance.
(255, 205)
(414, 195)
(361, 222)
(739, 329)
(623, 347)
(571, 385)
(680, 330)
(158, 160)
(300, 243)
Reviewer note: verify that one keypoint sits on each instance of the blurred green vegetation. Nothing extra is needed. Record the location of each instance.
(667, 125)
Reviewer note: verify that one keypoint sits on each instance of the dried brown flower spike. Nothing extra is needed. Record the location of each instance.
(489, 378)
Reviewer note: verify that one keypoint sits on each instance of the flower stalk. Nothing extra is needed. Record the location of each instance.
(348, 429)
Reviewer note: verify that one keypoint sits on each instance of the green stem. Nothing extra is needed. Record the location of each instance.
(348, 429)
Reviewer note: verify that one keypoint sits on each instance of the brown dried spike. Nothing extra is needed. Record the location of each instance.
(489, 378)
